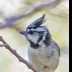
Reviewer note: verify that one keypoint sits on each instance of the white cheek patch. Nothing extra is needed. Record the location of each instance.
(32, 38)
(42, 43)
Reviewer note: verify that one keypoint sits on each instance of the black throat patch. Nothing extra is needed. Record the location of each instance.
(34, 46)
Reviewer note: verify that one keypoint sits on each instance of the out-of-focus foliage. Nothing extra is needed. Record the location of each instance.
(57, 23)
(32, 2)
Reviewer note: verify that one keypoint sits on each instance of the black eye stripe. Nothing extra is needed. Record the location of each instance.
(40, 38)
(31, 32)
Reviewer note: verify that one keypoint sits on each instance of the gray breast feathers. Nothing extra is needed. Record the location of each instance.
(56, 46)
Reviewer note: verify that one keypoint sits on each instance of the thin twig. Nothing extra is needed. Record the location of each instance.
(1, 45)
(16, 54)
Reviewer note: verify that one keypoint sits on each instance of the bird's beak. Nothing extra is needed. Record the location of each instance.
(23, 32)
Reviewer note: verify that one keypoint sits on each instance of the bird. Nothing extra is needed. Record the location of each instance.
(43, 51)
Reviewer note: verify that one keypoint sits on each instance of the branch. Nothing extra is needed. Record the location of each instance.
(36, 9)
(10, 21)
(1, 45)
(16, 54)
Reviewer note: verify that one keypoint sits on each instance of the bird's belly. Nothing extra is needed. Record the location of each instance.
(41, 60)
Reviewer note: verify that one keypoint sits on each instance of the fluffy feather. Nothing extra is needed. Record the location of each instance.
(43, 52)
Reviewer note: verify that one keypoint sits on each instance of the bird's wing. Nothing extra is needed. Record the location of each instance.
(58, 49)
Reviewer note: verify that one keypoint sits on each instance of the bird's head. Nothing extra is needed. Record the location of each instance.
(37, 35)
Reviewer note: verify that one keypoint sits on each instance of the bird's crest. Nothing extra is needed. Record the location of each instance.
(37, 22)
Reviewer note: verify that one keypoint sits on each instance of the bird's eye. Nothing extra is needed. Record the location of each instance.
(31, 32)
(35, 32)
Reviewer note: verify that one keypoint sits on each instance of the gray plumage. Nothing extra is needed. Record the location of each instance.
(43, 52)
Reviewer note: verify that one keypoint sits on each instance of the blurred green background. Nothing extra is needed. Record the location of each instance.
(57, 23)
